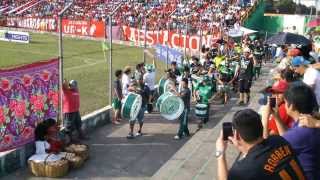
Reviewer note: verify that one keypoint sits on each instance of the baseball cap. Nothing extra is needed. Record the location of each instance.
(280, 86)
(298, 61)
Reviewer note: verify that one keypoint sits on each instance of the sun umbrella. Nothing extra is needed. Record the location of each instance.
(283, 38)
(314, 23)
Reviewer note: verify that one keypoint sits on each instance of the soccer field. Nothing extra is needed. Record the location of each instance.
(83, 61)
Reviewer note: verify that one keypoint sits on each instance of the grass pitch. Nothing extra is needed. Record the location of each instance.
(83, 61)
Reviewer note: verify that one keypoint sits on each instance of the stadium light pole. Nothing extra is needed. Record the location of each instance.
(145, 34)
(110, 50)
(60, 14)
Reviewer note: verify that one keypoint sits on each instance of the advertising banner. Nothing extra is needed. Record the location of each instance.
(40, 24)
(83, 28)
(174, 40)
(14, 36)
(28, 95)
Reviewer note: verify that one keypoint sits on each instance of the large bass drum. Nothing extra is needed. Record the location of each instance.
(165, 86)
(170, 106)
(131, 106)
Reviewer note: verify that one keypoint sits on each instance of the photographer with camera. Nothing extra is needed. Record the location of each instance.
(271, 158)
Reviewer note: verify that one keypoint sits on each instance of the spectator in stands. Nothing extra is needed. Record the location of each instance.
(278, 89)
(117, 97)
(299, 101)
(260, 158)
(71, 110)
(310, 75)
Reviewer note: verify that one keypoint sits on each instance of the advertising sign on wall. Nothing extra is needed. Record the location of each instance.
(83, 28)
(41, 24)
(14, 36)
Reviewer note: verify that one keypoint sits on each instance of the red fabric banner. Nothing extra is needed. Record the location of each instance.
(83, 28)
(41, 24)
(28, 95)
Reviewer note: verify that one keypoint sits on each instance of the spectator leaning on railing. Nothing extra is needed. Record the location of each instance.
(264, 159)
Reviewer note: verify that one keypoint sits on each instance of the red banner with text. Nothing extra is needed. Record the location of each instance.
(83, 28)
(40, 24)
(174, 40)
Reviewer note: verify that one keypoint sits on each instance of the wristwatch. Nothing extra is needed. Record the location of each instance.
(219, 153)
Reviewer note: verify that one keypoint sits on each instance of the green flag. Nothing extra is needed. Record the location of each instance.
(105, 46)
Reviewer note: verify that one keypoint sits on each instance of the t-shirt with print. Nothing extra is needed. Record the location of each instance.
(312, 78)
(272, 159)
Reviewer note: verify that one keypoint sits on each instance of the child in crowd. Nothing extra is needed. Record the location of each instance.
(117, 96)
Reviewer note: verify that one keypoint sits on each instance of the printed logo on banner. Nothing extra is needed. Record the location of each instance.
(42, 24)
(83, 28)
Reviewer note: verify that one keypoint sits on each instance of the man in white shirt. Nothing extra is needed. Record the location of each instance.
(311, 76)
(126, 80)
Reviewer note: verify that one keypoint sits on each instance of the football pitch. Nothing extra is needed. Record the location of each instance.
(84, 61)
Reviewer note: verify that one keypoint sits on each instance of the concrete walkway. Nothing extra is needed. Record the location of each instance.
(155, 155)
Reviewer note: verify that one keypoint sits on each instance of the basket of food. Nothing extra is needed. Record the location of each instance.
(37, 168)
(81, 150)
(74, 160)
(48, 165)
(56, 169)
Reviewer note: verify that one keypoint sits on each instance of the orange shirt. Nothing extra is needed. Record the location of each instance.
(71, 101)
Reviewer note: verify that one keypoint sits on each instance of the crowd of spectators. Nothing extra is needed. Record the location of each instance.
(206, 15)
(279, 141)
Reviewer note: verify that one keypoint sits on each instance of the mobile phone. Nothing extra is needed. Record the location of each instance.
(227, 130)
(272, 102)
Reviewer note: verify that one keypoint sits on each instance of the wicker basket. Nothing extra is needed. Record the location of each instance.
(79, 149)
(74, 160)
(57, 168)
(37, 169)
(49, 169)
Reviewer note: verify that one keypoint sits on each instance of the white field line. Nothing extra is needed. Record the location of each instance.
(88, 61)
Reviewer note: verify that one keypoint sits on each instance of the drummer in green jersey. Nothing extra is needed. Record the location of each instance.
(204, 93)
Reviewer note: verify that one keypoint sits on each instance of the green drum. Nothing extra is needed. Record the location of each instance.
(201, 110)
(131, 106)
(164, 85)
(170, 106)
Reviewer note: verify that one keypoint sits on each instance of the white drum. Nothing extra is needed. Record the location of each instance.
(131, 106)
(170, 106)
(201, 110)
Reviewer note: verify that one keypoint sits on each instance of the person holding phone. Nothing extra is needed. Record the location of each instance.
(277, 99)
(271, 158)
(301, 100)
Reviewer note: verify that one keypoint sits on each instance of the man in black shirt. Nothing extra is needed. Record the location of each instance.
(244, 71)
(174, 69)
(185, 95)
(261, 159)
